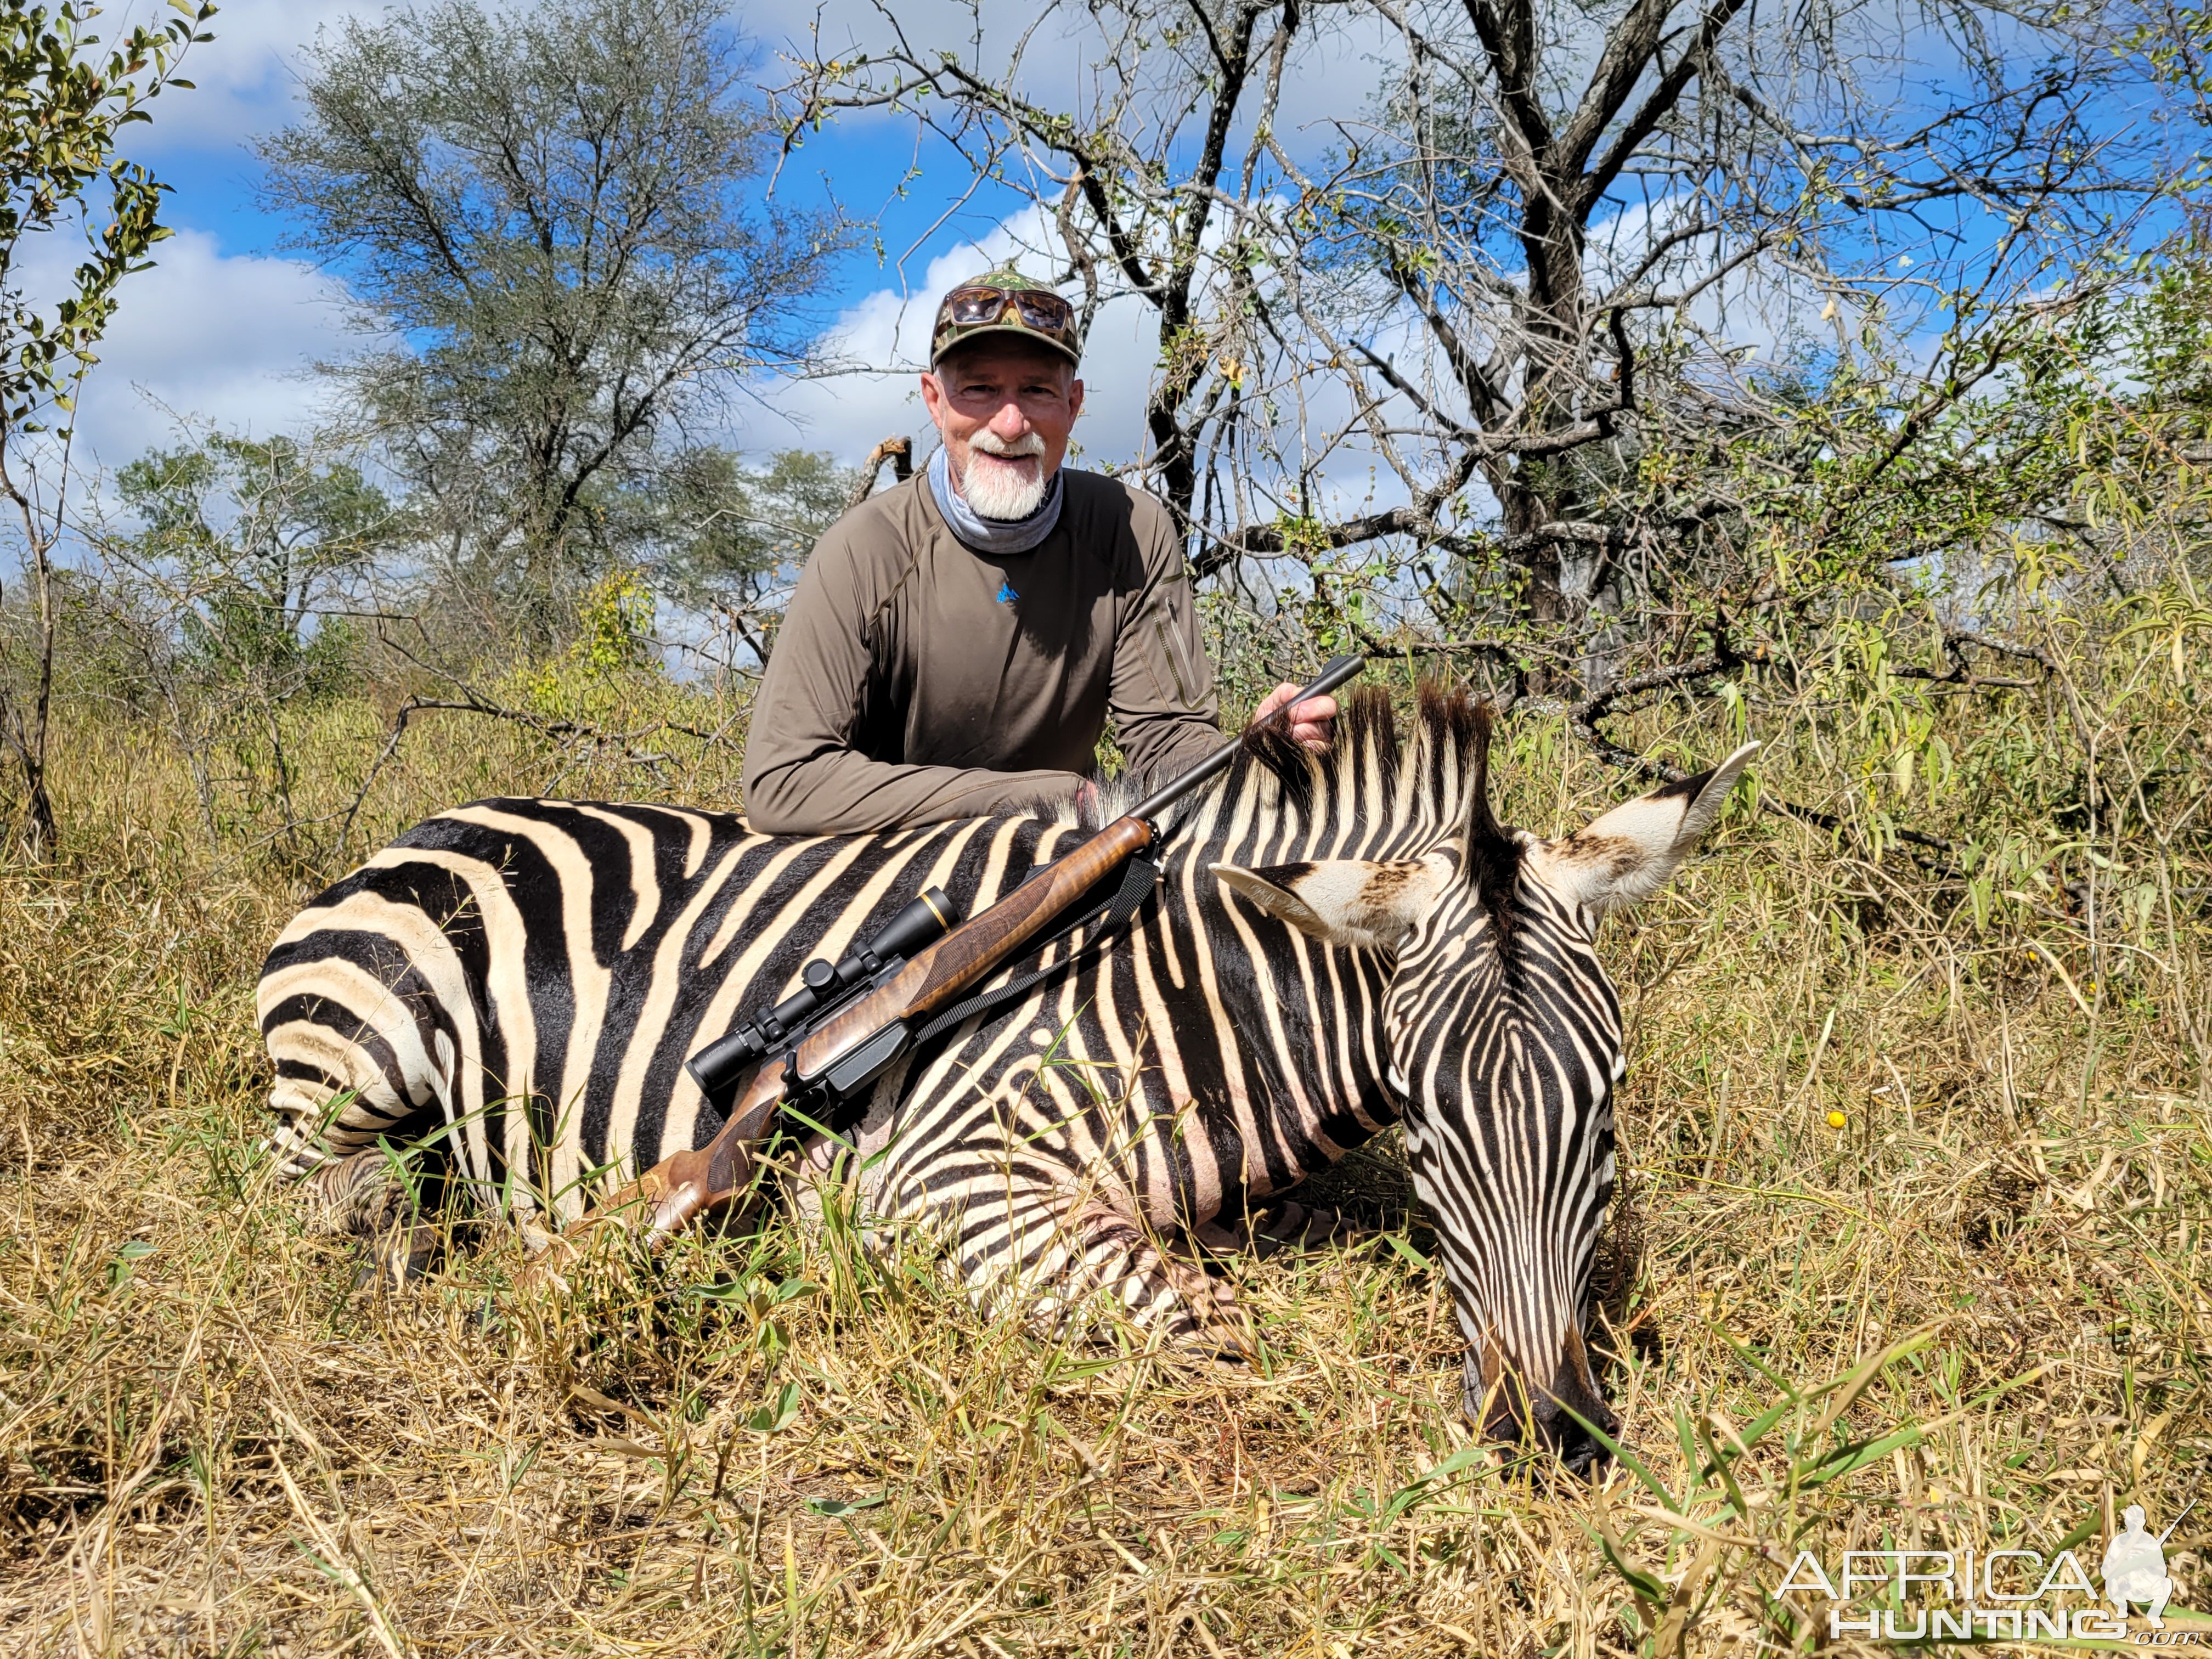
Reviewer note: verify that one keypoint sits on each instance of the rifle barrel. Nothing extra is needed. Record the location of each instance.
(2177, 1520)
(1339, 670)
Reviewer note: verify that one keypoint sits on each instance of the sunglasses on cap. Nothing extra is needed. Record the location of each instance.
(986, 306)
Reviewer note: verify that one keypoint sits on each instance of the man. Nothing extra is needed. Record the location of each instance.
(956, 644)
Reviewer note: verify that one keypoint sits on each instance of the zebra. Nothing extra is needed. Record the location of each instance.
(1339, 942)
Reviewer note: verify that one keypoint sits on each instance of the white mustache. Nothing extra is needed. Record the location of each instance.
(990, 443)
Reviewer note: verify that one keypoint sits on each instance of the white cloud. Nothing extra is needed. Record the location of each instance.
(243, 80)
(226, 337)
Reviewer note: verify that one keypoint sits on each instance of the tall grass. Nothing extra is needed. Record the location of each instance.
(1932, 1127)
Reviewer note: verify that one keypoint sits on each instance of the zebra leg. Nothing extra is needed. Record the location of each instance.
(1284, 1225)
(360, 1198)
(1066, 1256)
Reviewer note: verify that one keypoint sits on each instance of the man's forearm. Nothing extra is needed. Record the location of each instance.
(845, 794)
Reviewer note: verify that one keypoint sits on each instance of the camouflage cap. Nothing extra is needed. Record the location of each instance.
(1004, 301)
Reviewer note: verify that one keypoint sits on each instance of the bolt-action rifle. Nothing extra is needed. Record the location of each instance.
(849, 1020)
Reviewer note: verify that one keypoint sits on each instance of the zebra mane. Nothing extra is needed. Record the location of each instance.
(1430, 777)
(1397, 789)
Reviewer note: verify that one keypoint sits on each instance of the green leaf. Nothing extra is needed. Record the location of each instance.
(834, 1507)
(1849, 1459)
(1848, 1388)
(778, 1414)
(1417, 1492)
(2081, 1529)
(1627, 1459)
(1399, 1247)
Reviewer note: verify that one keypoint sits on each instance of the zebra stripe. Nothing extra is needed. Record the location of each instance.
(1337, 942)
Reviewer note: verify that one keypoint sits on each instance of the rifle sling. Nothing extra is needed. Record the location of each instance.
(1139, 877)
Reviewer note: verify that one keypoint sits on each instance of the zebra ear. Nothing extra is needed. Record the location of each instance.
(1632, 851)
(1352, 903)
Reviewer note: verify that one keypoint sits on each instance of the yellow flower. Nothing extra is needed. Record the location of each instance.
(1837, 1121)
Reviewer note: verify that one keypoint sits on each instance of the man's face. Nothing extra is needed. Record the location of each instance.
(1005, 410)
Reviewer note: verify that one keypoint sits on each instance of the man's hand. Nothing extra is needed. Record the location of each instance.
(1312, 722)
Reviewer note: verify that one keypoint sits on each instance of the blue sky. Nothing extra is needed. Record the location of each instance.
(227, 326)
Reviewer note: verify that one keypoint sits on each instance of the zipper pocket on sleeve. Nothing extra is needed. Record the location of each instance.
(1171, 648)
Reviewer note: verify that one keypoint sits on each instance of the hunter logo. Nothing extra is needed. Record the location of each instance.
(2010, 1596)
(2135, 1568)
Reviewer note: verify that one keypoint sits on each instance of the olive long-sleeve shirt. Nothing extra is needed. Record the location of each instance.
(915, 679)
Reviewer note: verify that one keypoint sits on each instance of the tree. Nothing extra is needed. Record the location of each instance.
(731, 538)
(1562, 234)
(235, 595)
(553, 209)
(254, 536)
(63, 104)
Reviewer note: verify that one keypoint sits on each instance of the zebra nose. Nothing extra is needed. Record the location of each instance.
(1566, 1415)
(1573, 1433)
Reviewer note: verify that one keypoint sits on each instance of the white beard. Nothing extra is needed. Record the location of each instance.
(1004, 489)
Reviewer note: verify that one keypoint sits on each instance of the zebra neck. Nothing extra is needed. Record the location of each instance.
(1273, 1039)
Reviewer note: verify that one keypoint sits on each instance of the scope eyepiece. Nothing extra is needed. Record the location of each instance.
(923, 922)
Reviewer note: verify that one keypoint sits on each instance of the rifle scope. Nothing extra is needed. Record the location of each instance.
(924, 921)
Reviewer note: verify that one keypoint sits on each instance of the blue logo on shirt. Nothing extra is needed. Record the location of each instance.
(1006, 594)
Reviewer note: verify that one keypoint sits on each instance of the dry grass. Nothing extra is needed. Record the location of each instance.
(211, 1443)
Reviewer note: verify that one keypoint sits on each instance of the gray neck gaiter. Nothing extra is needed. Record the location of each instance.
(991, 535)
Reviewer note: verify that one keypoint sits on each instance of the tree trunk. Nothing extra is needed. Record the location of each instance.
(38, 832)
(26, 735)
(1544, 494)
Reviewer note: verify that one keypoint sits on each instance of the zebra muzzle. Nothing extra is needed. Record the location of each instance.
(1557, 1409)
